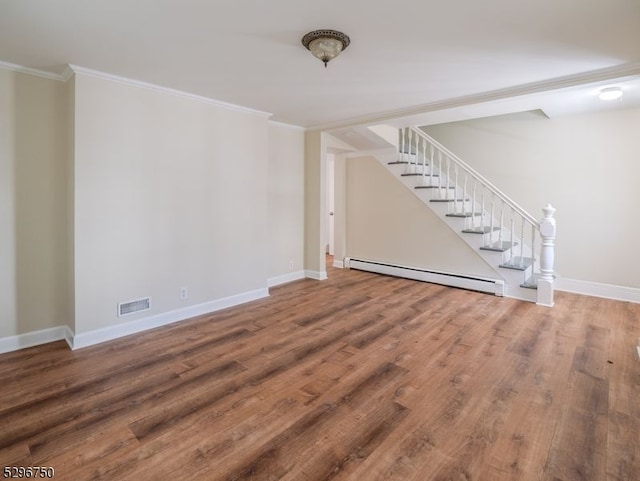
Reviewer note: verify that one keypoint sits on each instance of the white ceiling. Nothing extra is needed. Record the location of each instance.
(406, 57)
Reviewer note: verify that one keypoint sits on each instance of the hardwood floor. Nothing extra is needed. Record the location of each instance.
(360, 377)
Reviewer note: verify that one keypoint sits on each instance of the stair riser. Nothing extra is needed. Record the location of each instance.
(521, 293)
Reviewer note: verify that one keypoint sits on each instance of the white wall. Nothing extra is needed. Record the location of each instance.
(33, 189)
(169, 192)
(587, 166)
(385, 222)
(285, 201)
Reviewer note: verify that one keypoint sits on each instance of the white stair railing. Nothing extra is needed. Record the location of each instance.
(506, 226)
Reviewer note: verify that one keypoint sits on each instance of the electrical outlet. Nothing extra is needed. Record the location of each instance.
(184, 294)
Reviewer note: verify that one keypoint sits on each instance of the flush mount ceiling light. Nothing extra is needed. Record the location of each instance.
(610, 93)
(325, 44)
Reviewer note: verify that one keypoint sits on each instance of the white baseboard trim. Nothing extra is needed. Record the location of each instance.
(44, 336)
(338, 263)
(596, 289)
(97, 336)
(283, 279)
(35, 338)
(317, 275)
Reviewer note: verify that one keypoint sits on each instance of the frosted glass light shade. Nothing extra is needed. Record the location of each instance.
(610, 93)
(325, 44)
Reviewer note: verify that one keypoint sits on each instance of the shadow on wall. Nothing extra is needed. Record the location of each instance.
(40, 184)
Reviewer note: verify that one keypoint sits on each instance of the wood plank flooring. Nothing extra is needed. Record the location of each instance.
(360, 377)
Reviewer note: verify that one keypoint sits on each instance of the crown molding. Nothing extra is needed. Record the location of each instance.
(72, 70)
(68, 73)
(31, 71)
(574, 80)
(286, 126)
(77, 70)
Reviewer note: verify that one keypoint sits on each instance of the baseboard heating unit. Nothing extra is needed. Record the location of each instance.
(481, 284)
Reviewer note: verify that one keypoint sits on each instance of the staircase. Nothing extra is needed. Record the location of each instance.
(510, 240)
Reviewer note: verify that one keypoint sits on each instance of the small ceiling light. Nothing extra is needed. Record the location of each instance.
(610, 93)
(325, 44)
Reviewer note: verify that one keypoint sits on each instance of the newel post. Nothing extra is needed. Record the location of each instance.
(548, 235)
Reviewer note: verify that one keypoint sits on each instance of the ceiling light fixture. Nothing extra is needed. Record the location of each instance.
(325, 44)
(610, 93)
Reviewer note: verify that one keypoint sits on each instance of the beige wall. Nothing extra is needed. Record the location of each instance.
(340, 208)
(315, 203)
(385, 222)
(70, 204)
(285, 200)
(587, 166)
(8, 286)
(33, 214)
(169, 192)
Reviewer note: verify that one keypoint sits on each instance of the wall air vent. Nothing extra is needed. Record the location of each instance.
(130, 307)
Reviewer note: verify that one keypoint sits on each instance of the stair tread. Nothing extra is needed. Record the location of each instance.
(499, 246)
(481, 230)
(396, 162)
(449, 200)
(431, 187)
(517, 264)
(411, 174)
(464, 214)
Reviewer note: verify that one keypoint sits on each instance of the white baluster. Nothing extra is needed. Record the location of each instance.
(473, 205)
(407, 146)
(455, 184)
(501, 224)
(424, 161)
(440, 171)
(491, 219)
(411, 140)
(533, 245)
(464, 193)
(431, 164)
(512, 240)
(482, 211)
(521, 241)
(448, 176)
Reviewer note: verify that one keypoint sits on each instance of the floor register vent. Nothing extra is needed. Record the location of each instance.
(130, 307)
